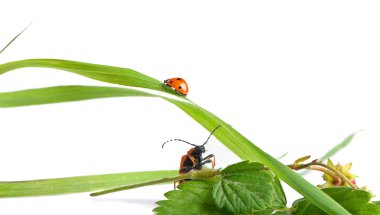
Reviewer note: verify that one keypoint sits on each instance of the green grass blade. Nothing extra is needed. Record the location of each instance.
(338, 147)
(14, 38)
(282, 156)
(58, 186)
(63, 94)
(225, 134)
(76, 93)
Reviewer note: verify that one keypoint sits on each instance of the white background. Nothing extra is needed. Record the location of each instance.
(294, 77)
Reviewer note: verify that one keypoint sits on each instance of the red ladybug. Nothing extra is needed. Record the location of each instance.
(178, 84)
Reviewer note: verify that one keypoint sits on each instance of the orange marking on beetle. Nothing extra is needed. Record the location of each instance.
(193, 159)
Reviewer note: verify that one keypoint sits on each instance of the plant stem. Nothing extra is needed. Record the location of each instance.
(202, 174)
(159, 181)
(336, 178)
(335, 174)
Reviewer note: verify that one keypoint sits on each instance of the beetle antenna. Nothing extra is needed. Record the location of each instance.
(211, 134)
(178, 140)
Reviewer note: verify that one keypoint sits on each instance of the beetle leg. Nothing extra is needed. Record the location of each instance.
(209, 159)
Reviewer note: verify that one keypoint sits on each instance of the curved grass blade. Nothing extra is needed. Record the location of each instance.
(58, 186)
(227, 135)
(109, 74)
(14, 38)
(58, 94)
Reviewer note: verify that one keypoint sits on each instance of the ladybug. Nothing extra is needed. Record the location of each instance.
(178, 84)
(193, 159)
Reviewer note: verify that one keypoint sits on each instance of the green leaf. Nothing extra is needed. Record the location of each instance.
(244, 188)
(279, 201)
(193, 197)
(232, 139)
(376, 203)
(78, 184)
(357, 202)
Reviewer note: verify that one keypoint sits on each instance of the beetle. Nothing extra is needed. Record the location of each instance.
(193, 159)
(178, 84)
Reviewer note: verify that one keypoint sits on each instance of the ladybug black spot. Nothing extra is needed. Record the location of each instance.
(180, 87)
(178, 79)
(170, 82)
